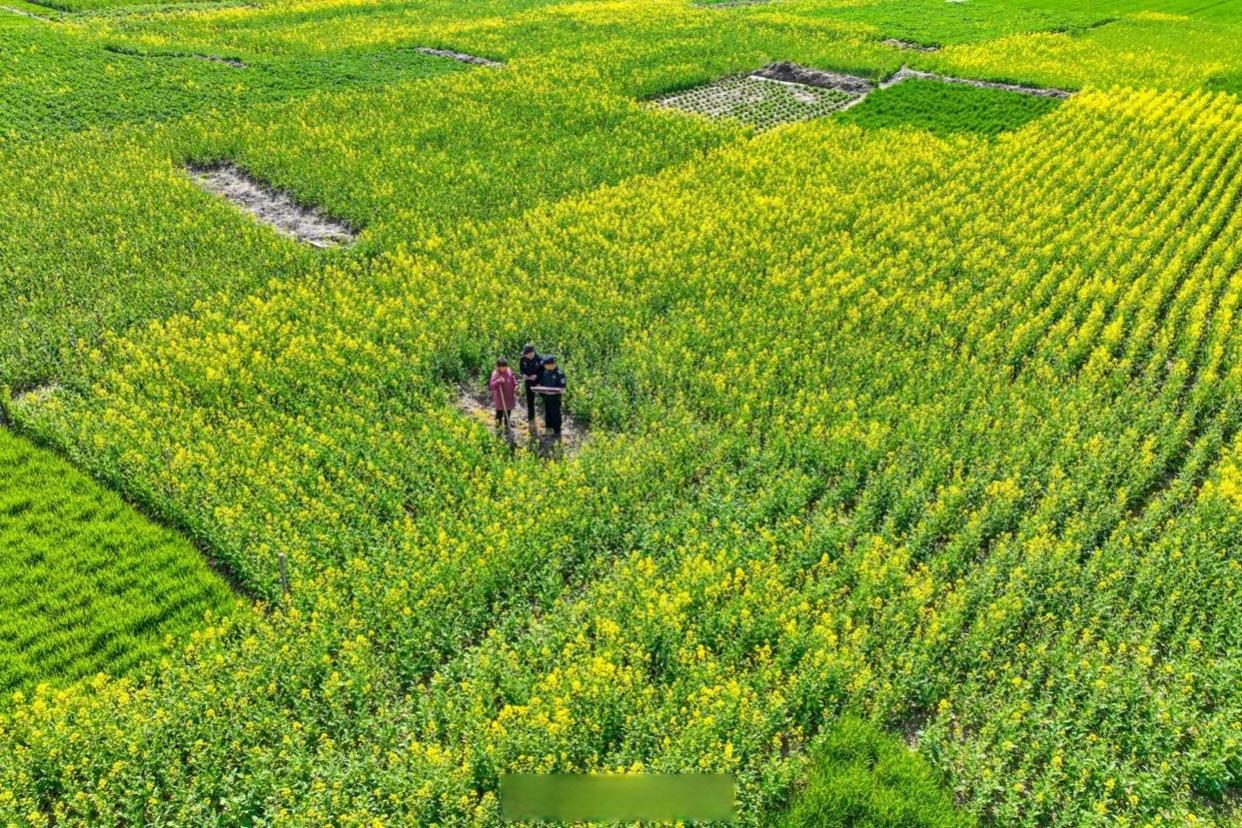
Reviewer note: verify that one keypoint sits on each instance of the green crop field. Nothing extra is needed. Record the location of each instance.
(88, 584)
(943, 108)
(904, 478)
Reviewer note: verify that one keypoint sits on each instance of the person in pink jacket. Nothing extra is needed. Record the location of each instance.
(503, 386)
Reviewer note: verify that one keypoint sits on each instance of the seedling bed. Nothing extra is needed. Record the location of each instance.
(777, 94)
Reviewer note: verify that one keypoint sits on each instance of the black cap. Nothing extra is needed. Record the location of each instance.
(529, 349)
(549, 358)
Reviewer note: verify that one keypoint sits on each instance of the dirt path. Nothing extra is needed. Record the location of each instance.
(37, 394)
(234, 63)
(905, 73)
(525, 436)
(24, 13)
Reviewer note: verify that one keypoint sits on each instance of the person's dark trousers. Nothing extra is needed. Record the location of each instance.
(552, 412)
(530, 399)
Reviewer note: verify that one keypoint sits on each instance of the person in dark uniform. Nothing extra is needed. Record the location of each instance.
(531, 367)
(551, 387)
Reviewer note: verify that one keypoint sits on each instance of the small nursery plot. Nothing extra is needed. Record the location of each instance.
(271, 206)
(765, 99)
(461, 57)
(947, 108)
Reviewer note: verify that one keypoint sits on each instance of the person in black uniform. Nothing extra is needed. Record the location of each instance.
(531, 367)
(552, 387)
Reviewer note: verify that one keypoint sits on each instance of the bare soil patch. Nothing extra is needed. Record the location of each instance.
(521, 435)
(37, 394)
(273, 207)
(787, 72)
(474, 60)
(227, 61)
(910, 45)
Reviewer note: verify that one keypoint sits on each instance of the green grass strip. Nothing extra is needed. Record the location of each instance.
(863, 778)
(87, 584)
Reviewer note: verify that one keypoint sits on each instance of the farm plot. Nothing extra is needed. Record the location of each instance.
(757, 555)
(939, 435)
(90, 585)
(778, 94)
(949, 108)
(804, 93)
(969, 21)
(80, 76)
